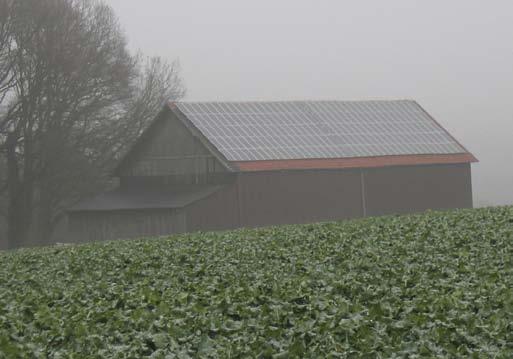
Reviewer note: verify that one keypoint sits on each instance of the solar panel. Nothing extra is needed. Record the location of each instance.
(252, 131)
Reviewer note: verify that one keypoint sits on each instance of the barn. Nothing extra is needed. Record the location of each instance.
(222, 165)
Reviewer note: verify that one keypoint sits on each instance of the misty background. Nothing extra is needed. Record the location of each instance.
(455, 58)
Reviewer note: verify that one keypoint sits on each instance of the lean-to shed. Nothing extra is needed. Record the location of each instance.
(222, 165)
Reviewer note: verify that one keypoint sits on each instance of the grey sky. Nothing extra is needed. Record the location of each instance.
(454, 57)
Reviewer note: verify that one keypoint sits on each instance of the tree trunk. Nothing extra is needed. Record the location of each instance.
(15, 230)
(28, 180)
(45, 223)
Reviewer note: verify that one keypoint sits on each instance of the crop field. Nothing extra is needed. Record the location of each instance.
(433, 285)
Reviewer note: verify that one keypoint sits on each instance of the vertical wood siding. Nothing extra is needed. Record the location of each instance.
(174, 151)
(397, 190)
(218, 211)
(109, 225)
(269, 198)
(288, 197)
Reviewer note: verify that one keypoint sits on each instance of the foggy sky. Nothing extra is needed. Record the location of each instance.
(454, 57)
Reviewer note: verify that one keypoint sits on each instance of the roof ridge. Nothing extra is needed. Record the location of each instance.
(295, 101)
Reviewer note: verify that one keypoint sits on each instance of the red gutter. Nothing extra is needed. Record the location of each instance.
(354, 162)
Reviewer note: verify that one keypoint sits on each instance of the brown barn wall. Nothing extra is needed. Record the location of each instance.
(272, 198)
(3, 234)
(396, 190)
(288, 197)
(218, 211)
(110, 225)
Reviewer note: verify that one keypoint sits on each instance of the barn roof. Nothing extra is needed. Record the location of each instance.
(133, 198)
(322, 134)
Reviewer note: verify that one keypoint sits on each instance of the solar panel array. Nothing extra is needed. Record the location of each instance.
(252, 131)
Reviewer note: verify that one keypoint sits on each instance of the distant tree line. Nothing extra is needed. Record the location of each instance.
(72, 99)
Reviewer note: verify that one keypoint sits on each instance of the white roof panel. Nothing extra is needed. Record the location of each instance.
(251, 131)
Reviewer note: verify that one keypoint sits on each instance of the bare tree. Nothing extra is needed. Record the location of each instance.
(6, 50)
(156, 83)
(74, 98)
(86, 165)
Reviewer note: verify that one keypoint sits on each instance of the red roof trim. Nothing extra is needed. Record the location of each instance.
(354, 162)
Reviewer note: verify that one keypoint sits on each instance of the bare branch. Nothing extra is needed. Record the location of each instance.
(73, 98)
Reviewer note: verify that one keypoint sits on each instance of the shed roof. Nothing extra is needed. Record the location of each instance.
(312, 134)
(146, 198)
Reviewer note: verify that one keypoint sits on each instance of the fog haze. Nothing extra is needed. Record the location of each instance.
(455, 58)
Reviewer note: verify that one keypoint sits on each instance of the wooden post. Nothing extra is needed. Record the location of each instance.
(364, 196)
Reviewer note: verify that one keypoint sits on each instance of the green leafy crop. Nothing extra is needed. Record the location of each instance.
(432, 285)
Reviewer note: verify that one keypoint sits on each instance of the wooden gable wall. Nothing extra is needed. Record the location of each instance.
(171, 150)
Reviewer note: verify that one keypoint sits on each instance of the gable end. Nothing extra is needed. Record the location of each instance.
(169, 148)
